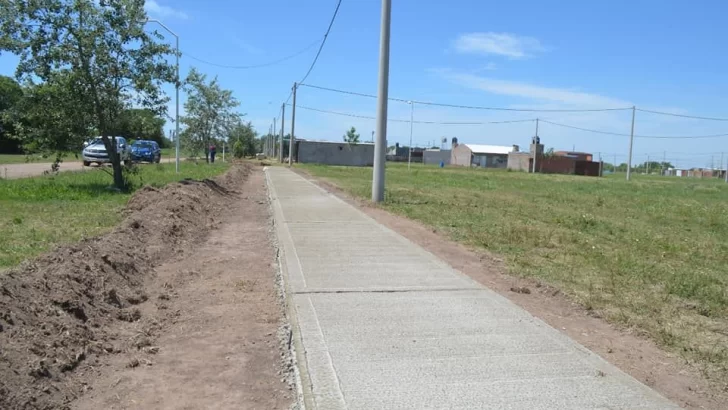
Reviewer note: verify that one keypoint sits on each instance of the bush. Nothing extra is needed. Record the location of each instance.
(238, 150)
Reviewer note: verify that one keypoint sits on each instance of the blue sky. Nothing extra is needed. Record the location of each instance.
(659, 55)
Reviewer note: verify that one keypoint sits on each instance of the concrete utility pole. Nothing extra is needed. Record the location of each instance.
(615, 164)
(601, 163)
(535, 152)
(382, 97)
(412, 118)
(283, 122)
(648, 165)
(292, 142)
(631, 142)
(273, 140)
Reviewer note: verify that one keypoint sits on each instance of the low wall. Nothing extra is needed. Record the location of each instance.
(564, 165)
(435, 157)
(335, 153)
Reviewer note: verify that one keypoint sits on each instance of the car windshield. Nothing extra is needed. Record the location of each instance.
(100, 142)
(142, 144)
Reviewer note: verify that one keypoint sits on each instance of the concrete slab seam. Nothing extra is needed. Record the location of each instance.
(303, 383)
(328, 352)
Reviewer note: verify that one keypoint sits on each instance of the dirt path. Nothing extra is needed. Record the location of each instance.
(218, 317)
(32, 169)
(641, 358)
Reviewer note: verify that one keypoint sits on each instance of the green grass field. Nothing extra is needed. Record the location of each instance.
(650, 255)
(38, 213)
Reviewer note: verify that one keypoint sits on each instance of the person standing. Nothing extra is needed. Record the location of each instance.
(213, 151)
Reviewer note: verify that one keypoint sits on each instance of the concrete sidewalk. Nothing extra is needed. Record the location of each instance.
(380, 323)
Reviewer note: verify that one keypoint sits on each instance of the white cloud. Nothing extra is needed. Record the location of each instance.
(488, 67)
(535, 92)
(503, 44)
(158, 10)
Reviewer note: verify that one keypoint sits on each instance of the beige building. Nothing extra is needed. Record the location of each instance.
(485, 156)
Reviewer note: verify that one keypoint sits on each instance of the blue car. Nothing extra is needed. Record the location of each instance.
(145, 151)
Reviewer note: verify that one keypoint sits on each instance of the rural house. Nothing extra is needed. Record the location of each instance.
(486, 156)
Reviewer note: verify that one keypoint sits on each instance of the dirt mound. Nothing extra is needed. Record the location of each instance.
(57, 312)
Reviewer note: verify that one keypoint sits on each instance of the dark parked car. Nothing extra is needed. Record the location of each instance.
(146, 151)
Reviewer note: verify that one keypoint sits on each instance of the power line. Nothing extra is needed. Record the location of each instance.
(688, 137)
(683, 115)
(416, 122)
(636, 136)
(245, 67)
(585, 129)
(471, 107)
(318, 53)
(338, 4)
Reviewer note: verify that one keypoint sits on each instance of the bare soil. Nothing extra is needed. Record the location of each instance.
(638, 356)
(176, 308)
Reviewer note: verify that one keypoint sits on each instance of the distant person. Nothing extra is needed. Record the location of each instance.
(213, 151)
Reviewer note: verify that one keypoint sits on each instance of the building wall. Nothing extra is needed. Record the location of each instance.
(490, 160)
(335, 153)
(434, 157)
(460, 156)
(565, 165)
(519, 161)
(579, 156)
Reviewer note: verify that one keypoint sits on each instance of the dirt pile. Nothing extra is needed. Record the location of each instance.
(58, 312)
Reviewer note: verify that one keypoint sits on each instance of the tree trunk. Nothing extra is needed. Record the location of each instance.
(118, 174)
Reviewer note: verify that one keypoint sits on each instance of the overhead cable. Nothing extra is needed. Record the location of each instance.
(323, 41)
(245, 67)
(416, 122)
(695, 117)
(321, 47)
(471, 107)
(636, 136)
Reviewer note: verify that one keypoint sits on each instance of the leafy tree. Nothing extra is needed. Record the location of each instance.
(351, 136)
(260, 142)
(39, 123)
(243, 138)
(210, 113)
(652, 166)
(94, 53)
(10, 95)
(139, 123)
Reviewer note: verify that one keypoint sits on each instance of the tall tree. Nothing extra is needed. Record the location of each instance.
(210, 112)
(351, 136)
(10, 95)
(96, 52)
